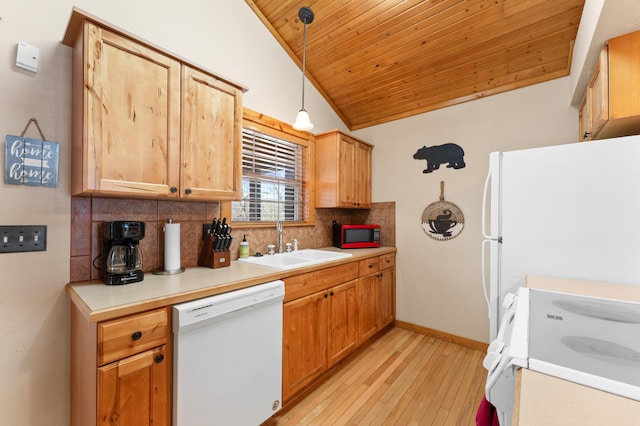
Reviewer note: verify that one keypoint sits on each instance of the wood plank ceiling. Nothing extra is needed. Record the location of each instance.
(376, 61)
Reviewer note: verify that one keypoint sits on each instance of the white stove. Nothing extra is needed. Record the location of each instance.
(591, 341)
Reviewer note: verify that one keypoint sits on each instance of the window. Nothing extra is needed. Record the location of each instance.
(275, 174)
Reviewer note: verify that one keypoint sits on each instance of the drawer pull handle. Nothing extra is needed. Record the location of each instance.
(137, 335)
(159, 358)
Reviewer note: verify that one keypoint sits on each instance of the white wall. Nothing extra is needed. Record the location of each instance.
(439, 282)
(223, 36)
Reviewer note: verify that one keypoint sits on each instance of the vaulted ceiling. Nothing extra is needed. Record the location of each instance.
(376, 61)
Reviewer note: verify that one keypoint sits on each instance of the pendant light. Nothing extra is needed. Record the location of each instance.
(302, 119)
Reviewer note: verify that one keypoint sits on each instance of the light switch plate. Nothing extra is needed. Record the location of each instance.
(27, 57)
(23, 238)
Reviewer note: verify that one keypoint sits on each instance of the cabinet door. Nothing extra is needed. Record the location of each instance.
(584, 119)
(211, 137)
(599, 94)
(367, 307)
(135, 390)
(343, 322)
(346, 172)
(363, 176)
(386, 298)
(131, 128)
(304, 355)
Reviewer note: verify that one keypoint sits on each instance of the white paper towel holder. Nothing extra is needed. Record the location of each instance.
(166, 272)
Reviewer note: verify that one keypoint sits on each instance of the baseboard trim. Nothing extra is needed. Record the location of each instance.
(462, 341)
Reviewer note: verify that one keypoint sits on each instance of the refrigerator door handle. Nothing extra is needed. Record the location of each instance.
(485, 193)
(484, 276)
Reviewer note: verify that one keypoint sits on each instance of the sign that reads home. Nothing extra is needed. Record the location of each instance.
(31, 162)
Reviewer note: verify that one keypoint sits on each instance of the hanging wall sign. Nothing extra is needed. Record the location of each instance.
(442, 220)
(31, 161)
(439, 154)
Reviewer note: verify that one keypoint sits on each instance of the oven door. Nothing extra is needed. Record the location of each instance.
(507, 353)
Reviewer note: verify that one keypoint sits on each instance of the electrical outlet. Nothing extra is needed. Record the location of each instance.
(23, 238)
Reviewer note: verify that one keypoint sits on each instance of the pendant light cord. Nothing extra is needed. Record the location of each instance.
(304, 58)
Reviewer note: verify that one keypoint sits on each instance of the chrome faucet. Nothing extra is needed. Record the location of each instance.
(279, 228)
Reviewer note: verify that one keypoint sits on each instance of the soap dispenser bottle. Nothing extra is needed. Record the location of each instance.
(244, 247)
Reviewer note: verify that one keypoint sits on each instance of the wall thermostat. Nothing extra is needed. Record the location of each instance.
(27, 57)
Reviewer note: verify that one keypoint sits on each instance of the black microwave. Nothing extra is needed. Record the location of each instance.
(356, 236)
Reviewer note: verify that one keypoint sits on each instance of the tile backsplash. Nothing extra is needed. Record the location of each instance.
(88, 213)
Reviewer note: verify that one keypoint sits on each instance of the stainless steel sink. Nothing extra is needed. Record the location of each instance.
(296, 259)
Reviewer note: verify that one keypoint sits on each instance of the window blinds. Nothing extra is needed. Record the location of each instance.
(272, 180)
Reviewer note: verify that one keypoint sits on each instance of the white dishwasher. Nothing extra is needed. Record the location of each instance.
(228, 357)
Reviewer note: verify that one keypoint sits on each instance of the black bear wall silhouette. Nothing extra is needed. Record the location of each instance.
(440, 154)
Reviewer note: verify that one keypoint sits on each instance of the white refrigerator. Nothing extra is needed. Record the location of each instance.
(569, 211)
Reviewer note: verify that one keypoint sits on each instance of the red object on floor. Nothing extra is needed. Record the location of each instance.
(486, 414)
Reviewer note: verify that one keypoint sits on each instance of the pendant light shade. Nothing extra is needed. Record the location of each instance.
(303, 122)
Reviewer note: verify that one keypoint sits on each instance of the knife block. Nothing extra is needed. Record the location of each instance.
(213, 259)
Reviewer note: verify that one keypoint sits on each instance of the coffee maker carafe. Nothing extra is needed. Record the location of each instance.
(121, 255)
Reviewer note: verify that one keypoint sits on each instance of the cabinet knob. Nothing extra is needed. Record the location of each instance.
(331, 293)
(586, 135)
(173, 189)
(159, 358)
(137, 335)
(187, 191)
(326, 295)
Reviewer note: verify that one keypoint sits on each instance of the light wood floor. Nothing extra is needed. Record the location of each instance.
(402, 378)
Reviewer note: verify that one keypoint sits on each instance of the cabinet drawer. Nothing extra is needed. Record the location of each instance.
(130, 335)
(304, 284)
(368, 266)
(386, 261)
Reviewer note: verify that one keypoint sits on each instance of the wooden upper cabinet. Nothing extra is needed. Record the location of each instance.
(130, 136)
(611, 103)
(211, 137)
(343, 171)
(148, 124)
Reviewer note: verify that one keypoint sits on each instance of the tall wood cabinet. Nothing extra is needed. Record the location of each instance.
(121, 370)
(147, 124)
(611, 103)
(343, 171)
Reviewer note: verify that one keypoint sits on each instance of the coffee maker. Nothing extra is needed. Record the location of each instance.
(121, 255)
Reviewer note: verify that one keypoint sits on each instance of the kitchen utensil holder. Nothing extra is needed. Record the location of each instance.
(213, 259)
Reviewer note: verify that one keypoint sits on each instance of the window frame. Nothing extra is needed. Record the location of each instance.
(256, 121)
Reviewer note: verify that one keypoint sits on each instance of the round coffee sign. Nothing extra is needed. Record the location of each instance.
(442, 220)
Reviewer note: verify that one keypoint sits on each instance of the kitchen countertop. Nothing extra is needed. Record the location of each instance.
(547, 400)
(99, 302)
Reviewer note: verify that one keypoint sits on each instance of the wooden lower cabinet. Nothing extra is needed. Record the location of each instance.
(376, 295)
(329, 313)
(342, 322)
(121, 369)
(135, 390)
(368, 307)
(321, 329)
(304, 342)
